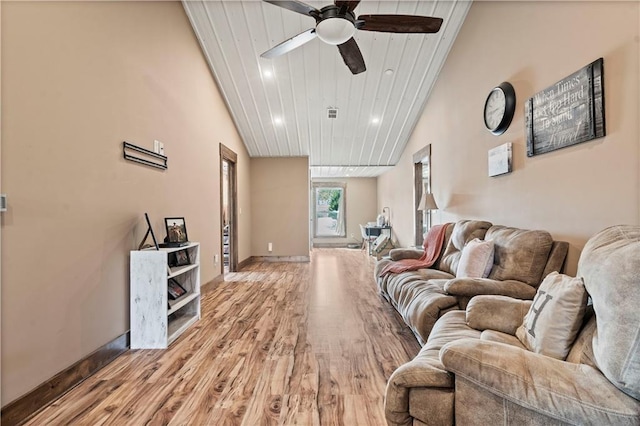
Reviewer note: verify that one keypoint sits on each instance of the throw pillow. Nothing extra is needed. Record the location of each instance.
(555, 316)
(476, 259)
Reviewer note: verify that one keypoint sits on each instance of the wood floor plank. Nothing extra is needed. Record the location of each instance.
(278, 344)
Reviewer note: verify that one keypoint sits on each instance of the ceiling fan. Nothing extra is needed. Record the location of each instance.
(336, 24)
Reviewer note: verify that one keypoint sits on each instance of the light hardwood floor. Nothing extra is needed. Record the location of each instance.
(278, 343)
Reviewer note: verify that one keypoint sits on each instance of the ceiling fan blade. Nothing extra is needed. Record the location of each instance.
(295, 6)
(352, 56)
(290, 44)
(349, 5)
(399, 23)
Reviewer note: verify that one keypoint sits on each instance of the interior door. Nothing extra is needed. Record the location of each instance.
(422, 184)
(228, 210)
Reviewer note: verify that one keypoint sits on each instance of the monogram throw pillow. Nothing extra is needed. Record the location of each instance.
(555, 317)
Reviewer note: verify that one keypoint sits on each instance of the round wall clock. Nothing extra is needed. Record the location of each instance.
(499, 108)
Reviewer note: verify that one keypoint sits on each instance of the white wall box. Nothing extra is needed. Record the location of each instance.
(156, 319)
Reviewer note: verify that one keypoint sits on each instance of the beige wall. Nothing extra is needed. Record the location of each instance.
(361, 207)
(572, 192)
(78, 78)
(280, 206)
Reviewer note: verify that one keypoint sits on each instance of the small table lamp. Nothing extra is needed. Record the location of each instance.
(386, 211)
(427, 202)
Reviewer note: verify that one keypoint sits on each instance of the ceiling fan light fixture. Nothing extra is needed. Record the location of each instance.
(335, 30)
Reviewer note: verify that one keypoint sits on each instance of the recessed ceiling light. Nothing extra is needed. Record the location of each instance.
(375, 120)
(267, 73)
(277, 120)
(388, 71)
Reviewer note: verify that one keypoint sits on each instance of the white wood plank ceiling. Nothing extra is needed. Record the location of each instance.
(280, 105)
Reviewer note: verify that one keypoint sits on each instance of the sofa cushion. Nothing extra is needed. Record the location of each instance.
(500, 337)
(519, 254)
(555, 316)
(582, 349)
(421, 303)
(422, 388)
(573, 393)
(463, 232)
(476, 259)
(404, 253)
(557, 256)
(499, 313)
(610, 265)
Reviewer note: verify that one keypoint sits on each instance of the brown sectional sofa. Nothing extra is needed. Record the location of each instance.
(522, 259)
(474, 371)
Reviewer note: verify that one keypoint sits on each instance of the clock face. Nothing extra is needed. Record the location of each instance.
(494, 108)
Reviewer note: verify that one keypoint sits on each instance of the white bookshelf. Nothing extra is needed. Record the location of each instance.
(156, 319)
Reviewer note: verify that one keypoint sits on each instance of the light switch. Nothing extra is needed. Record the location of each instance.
(158, 147)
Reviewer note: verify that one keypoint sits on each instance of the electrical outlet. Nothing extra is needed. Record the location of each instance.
(352, 235)
(215, 258)
(270, 246)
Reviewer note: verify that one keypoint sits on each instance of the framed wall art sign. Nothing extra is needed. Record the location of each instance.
(567, 113)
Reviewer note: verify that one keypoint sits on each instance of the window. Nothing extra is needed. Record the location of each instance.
(329, 210)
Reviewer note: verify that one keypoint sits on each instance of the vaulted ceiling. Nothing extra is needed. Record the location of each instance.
(280, 105)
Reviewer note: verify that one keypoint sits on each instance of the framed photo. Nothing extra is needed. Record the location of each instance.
(176, 229)
(175, 289)
(179, 258)
(500, 159)
(380, 242)
(149, 231)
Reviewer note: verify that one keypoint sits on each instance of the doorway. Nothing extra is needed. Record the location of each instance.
(422, 184)
(228, 210)
(329, 210)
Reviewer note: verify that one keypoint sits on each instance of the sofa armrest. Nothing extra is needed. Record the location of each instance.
(405, 253)
(418, 373)
(572, 393)
(499, 313)
(470, 287)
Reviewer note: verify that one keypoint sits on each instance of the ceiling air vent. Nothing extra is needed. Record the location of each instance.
(332, 112)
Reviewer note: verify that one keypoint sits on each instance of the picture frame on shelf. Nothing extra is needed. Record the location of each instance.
(143, 244)
(175, 289)
(176, 229)
(179, 258)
